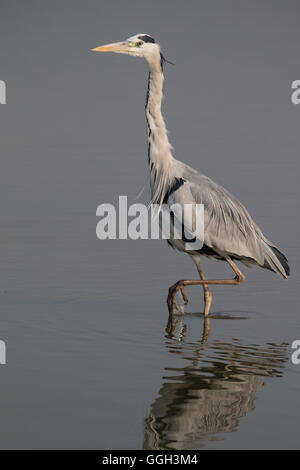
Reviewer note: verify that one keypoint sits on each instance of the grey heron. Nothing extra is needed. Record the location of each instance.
(230, 233)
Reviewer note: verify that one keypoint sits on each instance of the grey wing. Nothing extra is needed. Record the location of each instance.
(229, 229)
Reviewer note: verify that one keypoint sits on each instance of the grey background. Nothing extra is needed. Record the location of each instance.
(84, 321)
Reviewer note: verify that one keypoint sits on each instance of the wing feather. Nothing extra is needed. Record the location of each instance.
(229, 229)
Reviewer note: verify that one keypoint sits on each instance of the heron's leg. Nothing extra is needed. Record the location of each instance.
(238, 279)
(207, 292)
(239, 275)
(207, 295)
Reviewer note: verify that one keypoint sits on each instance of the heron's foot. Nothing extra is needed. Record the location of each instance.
(171, 300)
(175, 328)
(185, 299)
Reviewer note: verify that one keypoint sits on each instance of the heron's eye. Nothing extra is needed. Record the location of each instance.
(139, 43)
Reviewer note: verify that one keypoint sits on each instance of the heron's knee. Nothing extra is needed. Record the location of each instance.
(239, 278)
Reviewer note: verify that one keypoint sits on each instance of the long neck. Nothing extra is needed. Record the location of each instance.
(160, 157)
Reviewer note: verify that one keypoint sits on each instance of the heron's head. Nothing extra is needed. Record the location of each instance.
(140, 45)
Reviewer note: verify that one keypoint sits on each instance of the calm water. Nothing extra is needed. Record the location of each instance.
(92, 359)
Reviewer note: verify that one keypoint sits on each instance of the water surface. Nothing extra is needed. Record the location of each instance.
(92, 359)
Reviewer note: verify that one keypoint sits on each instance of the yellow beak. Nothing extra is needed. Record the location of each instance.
(120, 47)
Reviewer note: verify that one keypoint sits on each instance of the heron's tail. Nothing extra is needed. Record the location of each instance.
(277, 262)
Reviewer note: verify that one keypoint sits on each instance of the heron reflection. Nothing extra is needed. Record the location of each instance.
(215, 387)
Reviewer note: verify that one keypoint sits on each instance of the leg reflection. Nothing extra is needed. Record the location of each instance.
(176, 328)
(207, 387)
